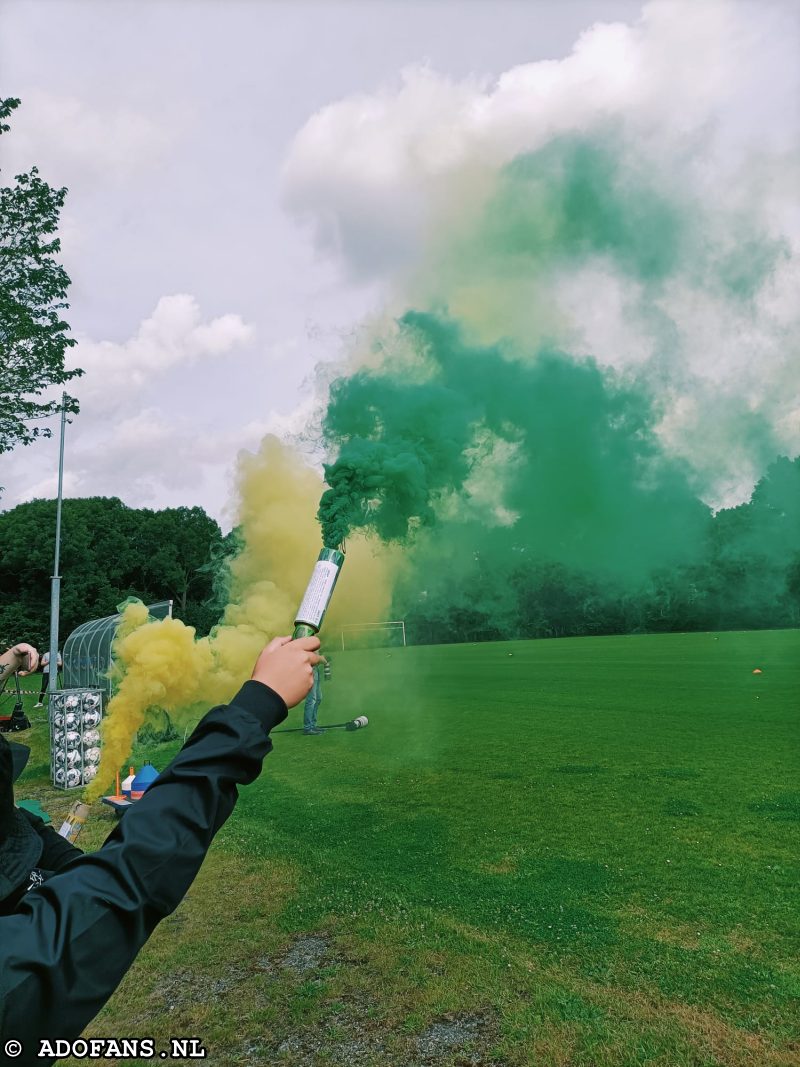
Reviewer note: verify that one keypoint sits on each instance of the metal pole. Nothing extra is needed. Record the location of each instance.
(55, 584)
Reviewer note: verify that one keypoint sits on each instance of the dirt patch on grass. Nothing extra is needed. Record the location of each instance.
(351, 1030)
(307, 954)
(184, 988)
(308, 1049)
(350, 1035)
(467, 1035)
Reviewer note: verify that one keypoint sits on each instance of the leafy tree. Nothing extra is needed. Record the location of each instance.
(109, 552)
(218, 571)
(177, 544)
(33, 289)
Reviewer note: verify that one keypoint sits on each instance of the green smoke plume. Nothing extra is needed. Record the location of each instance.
(519, 474)
(587, 484)
(582, 197)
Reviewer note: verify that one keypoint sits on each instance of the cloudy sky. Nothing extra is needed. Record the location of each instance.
(249, 179)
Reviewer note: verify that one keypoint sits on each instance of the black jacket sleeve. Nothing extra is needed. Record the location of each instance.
(71, 941)
(56, 850)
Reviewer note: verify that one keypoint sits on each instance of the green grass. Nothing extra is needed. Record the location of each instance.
(589, 844)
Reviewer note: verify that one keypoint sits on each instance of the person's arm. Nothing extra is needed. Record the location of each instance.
(56, 850)
(56, 853)
(63, 953)
(27, 657)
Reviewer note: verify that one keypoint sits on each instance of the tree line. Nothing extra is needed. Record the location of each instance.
(108, 552)
(748, 576)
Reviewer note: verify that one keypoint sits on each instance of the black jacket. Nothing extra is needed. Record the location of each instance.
(56, 852)
(70, 942)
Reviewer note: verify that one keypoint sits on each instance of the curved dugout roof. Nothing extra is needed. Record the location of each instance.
(87, 650)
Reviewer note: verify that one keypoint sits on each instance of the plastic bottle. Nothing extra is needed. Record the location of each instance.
(73, 824)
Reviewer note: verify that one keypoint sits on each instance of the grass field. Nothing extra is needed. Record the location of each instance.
(572, 852)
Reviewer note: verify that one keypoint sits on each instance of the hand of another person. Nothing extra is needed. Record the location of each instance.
(27, 657)
(287, 667)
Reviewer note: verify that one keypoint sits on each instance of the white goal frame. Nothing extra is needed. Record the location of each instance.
(394, 624)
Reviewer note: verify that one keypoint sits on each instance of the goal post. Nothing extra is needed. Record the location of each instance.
(374, 634)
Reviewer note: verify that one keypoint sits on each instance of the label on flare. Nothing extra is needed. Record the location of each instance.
(318, 593)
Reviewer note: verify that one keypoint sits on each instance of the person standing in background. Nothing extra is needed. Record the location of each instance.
(46, 675)
(314, 699)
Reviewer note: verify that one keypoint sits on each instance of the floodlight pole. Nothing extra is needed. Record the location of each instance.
(55, 582)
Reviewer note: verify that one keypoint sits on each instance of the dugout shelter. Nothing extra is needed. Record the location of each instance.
(87, 651)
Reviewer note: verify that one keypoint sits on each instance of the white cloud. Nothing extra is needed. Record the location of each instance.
(82, 141)
(93, 147)
(371, 173)
(47, 487)
(174, 336)
(150, 456)
(705, 100)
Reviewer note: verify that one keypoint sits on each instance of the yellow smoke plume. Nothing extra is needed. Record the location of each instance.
(161, 665)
